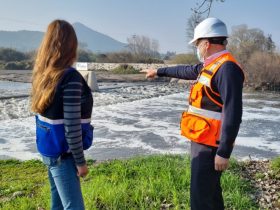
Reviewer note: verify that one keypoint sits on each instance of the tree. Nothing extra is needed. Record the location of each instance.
(8, 54)
(192, 22)
(204, 7)
(183, 59)
(143, 47)
(169, 55)
(155, 48)
(270, 45)
(85, 56)
(263, 69)
(200, 12)
(116, 57)
(243, 42)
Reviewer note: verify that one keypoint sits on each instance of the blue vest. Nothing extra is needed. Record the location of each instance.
(50, 131)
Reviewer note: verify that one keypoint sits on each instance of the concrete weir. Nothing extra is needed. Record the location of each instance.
(87, 70)
(91, 80)
(89, 76)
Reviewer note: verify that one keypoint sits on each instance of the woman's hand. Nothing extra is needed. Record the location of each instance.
(82, 171)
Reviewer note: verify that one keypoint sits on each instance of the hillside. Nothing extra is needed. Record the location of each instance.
(29, 40)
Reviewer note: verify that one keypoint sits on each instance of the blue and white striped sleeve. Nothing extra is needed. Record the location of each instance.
(72, 118)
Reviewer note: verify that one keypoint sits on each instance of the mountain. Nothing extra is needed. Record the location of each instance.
(21, 40)
(30, 40)
(95, 41)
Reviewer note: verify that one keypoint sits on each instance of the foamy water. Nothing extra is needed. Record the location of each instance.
(138, 119)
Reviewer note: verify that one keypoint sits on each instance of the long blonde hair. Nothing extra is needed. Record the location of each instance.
(57, 52)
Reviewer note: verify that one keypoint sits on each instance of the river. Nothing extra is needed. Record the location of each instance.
(138, 119)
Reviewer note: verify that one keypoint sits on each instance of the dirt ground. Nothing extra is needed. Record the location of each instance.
(102, 76)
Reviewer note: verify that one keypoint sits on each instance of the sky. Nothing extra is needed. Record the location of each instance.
(163, 20)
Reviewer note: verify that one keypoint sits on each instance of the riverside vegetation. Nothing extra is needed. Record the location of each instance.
(152, 182)
(255, 51)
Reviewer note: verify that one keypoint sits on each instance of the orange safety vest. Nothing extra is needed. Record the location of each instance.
(202, 121)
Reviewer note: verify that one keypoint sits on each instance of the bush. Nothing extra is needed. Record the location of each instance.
(263, 69)
(148, 60)
(117, 57)
(86, 56)
(2, 66)
(126, 57)
(18, 65)
(183, 59)
(8, 54)
(125, 69)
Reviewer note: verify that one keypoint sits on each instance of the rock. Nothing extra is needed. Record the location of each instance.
(267, 187)
(268, 198)
(17, 194)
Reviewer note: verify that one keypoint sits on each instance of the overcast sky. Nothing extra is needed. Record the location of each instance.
(164, 20)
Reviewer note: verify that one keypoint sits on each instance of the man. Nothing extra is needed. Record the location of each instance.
(214, 114)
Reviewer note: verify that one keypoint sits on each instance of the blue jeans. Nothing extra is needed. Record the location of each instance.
(65, 184)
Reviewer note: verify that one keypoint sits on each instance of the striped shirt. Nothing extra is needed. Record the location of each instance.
(72, 92)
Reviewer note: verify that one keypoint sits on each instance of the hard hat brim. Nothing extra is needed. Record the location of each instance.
(192, 41)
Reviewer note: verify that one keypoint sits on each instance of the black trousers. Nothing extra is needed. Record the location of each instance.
(206, 191)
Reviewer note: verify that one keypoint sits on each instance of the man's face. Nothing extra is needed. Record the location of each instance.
(201, 46)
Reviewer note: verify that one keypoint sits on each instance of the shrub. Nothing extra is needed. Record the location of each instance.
(2, 66)
(18, 65)
(125, 69)
(86, 56)
(183, 59)
(263, 69)
(8, 54)
(116, 57)
(126, 57)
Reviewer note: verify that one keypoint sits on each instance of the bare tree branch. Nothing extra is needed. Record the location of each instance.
(204, 7)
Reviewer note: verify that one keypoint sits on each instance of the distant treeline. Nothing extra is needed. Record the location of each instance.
(257, 55)
(13, 59)
(255, 52)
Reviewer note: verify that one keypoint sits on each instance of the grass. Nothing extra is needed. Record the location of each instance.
(153, 182)
(22, 184)
(275, 166)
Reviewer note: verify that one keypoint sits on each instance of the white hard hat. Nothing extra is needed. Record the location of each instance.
(210, 27)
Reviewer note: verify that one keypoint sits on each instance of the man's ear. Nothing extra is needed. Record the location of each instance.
(207, 44)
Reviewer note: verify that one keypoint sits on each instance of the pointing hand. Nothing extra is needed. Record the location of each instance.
(150, 73)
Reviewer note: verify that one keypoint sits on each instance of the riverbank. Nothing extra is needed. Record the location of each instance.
(108, 76)
(148, 182)
(102, 76)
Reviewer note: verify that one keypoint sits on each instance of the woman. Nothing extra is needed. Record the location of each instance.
(63, 103)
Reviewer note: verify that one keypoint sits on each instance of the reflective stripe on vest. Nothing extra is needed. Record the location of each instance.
(59, 121)
(206, 80)
(204, 112)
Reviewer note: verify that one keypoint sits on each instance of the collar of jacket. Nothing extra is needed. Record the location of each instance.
(213, 57)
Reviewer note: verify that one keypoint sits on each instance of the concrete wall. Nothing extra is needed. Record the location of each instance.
(111, 66)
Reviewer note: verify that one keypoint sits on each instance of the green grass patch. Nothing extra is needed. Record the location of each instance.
(125, 69)
(22, 183)
(275, 166)
(152, 182)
